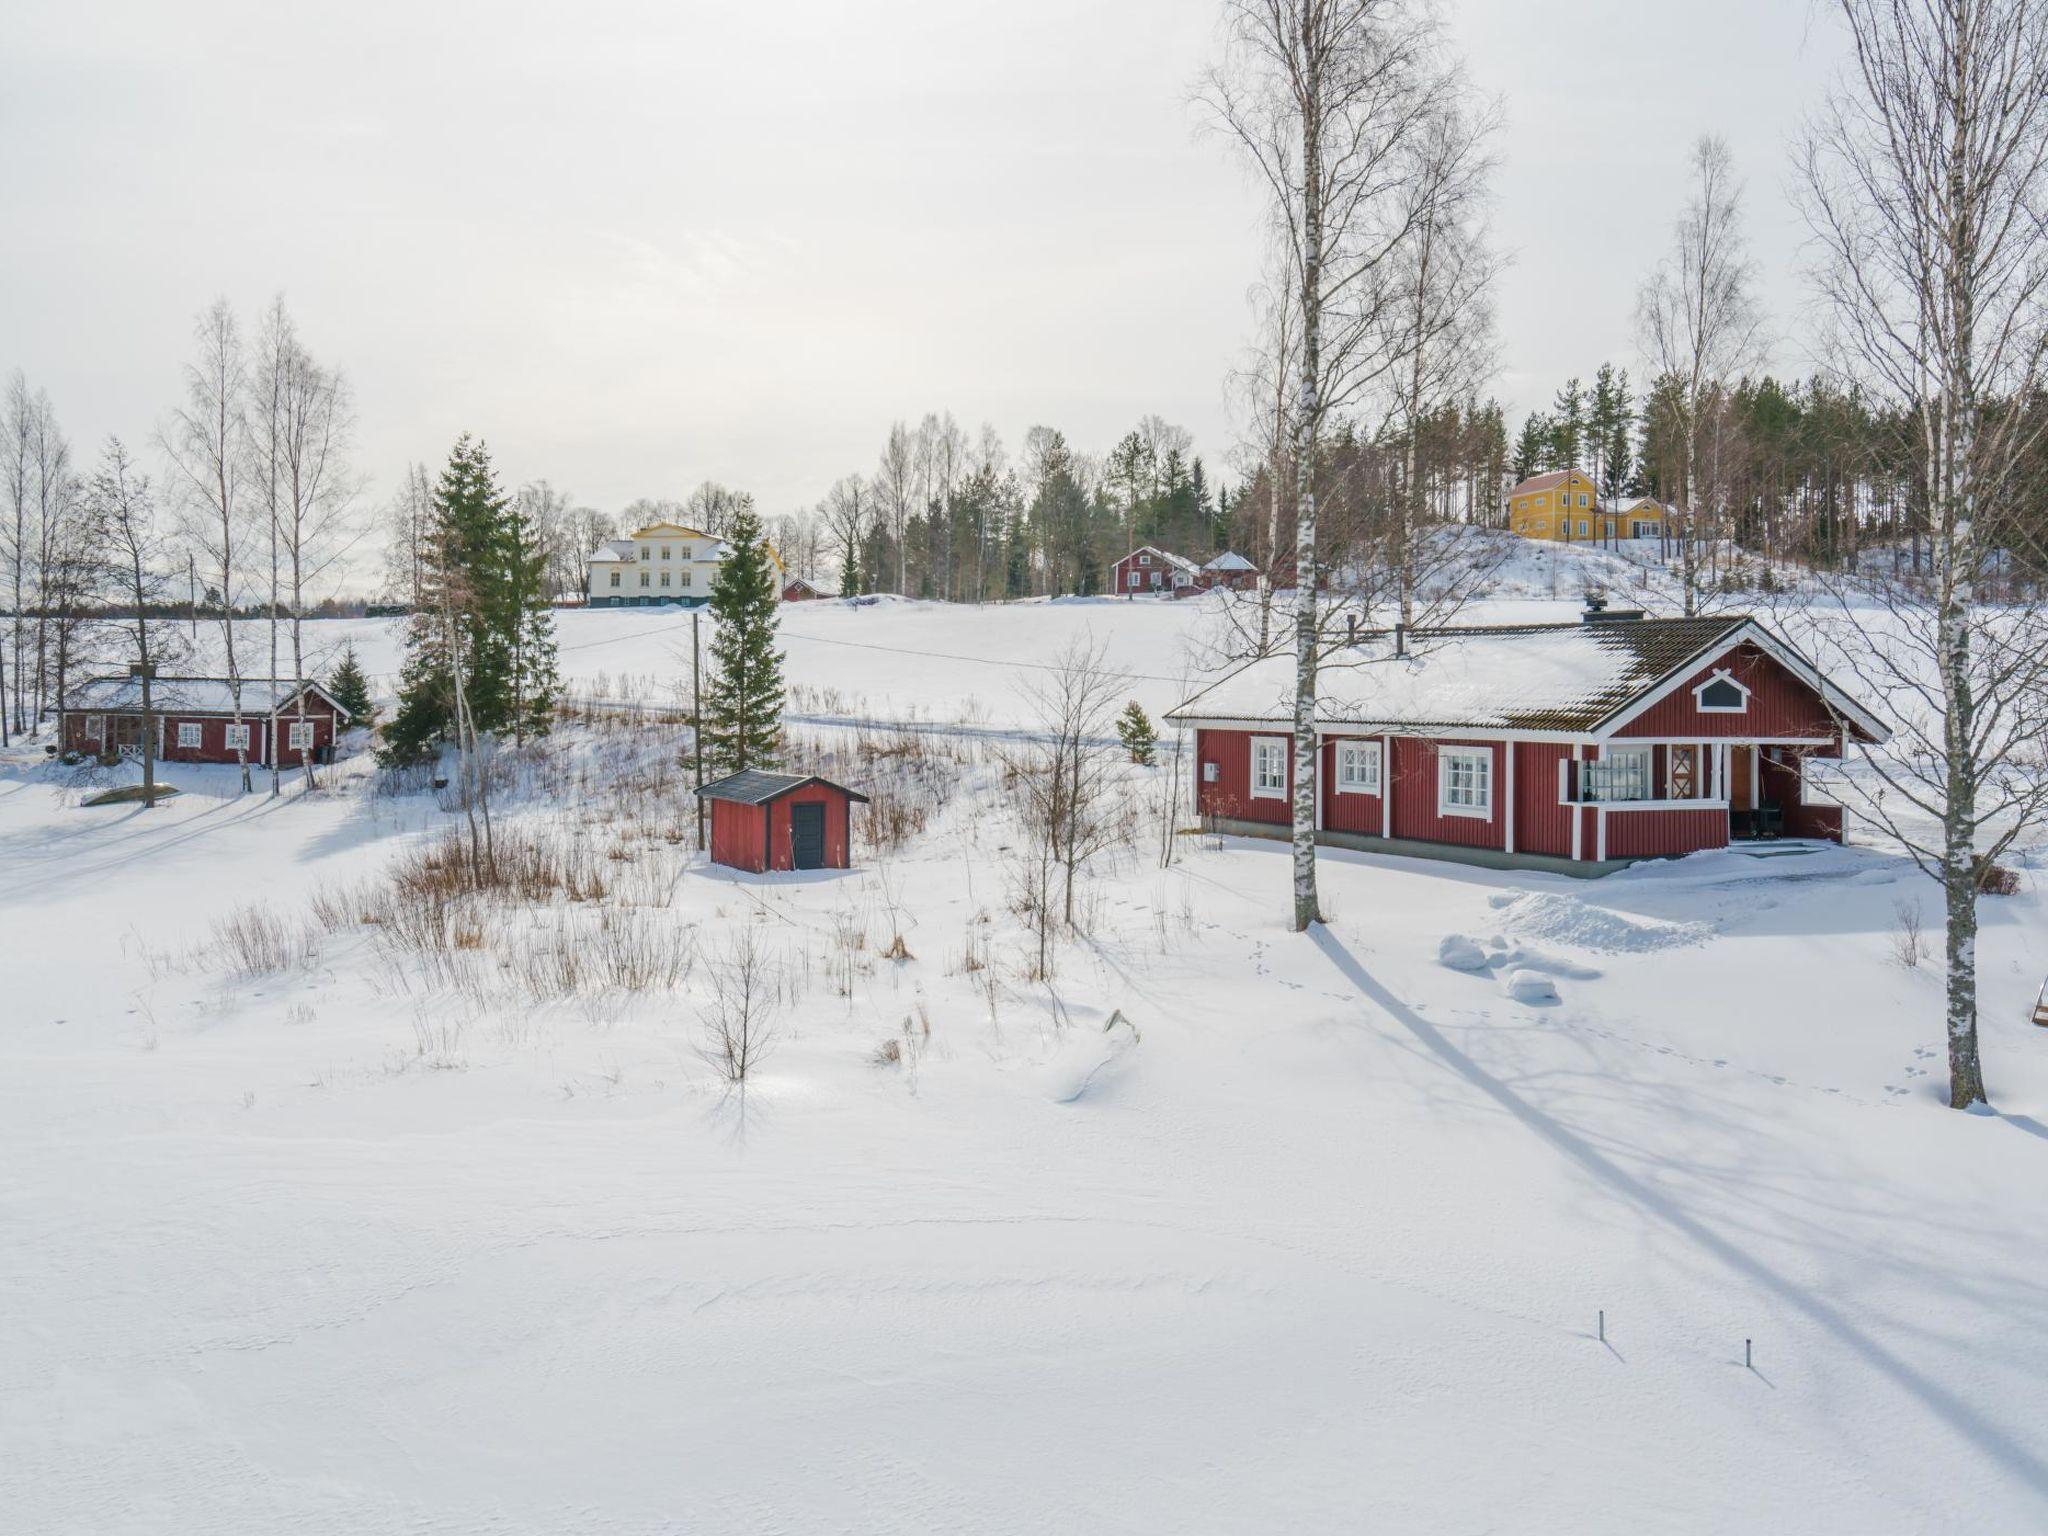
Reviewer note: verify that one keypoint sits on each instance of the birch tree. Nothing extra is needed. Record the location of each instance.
(123, 525)
(1325, 98)
(1699, 325)
(1925, 181)
(847, 511)
(206, 444)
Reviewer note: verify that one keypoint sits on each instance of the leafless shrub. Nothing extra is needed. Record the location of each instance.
(1995, 879)
(738, 1022)
(1909, 948)
(259, 942)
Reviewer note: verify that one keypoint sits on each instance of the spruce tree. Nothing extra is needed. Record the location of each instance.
(1134, 730)
(482, 605)
(350, 688)
(742, 723)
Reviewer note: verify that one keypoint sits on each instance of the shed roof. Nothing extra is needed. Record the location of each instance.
(190, 695)
(1230, 560)
(757, 786)
(1572, 678)
(1178, 562)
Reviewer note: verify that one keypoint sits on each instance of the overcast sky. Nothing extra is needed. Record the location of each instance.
(639, 245)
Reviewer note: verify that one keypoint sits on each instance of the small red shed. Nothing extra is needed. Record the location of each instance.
(762, 820)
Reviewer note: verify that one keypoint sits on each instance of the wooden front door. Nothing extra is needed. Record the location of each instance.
(1742, 778)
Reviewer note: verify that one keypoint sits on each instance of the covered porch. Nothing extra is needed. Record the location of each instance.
(1761, 787)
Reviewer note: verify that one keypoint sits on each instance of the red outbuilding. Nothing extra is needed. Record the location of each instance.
(1579, 747)
(762, 821)
(1148, 568)
(198, 719)
(798, 590)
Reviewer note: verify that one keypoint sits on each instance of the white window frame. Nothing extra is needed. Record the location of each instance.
(1358, 767)
(646, 552)
(664, 578)
(615, 578)
(1261, 744)
(95, 727)
(237, 736)
(685, 579)
(1480, 759)
(1144, 560)
(1136, 581)
(191, 735)
(298, 736)
(1721, 675)
(644, 581)
(668, 551)
(1611, 757)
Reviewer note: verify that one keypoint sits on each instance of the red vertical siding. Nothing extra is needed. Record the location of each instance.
(1230, 795)
(1663, 834)
(1346, 810)
(1780, 705)
(1543, 824)
(1415, 795)
(782, 827)
(736, 834)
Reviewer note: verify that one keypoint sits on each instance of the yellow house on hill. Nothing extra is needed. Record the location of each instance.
(1566, 506)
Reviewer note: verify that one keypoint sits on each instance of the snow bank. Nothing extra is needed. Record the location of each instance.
(1573, 920)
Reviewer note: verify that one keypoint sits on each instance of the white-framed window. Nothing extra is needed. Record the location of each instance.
(1619, 773)
(300, 736)
(1155, 578)
(1269, 767)
(1144, 559)
(1136, 579)
(1464, 782)
(1358, 767)
(238, 737)
(643, 579)
(685, 581)
(668, 552)
(615, 578)
(1721, 694)
(1583, 528)
(664, 578)
(1582, 499)
(646, 552)
(95, 727)
(190, 733)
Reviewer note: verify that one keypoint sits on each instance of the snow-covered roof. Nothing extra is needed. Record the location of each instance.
(1623, 505)
(615, 549)
(628, 549)
(1230, 560)
(1178, 562)
(187, 695)
(1549, 677)
(757, 786)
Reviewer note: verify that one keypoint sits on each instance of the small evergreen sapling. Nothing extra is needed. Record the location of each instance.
(1134, 730)
(351, 688)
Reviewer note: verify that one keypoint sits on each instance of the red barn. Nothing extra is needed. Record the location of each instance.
(1579, 747)
(798, 590)
(1151, 569)
(762, 821)
(195, 719)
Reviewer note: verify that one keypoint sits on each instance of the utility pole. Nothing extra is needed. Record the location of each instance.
(697, 720)
(192, 591)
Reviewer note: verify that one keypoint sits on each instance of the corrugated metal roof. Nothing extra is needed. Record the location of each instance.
(1537, 677)
(188, 695)
(757, 786)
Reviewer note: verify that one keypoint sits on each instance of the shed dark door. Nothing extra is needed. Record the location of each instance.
(807, 835)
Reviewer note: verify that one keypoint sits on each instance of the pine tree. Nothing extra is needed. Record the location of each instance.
(1134, 730)
(1532, 448)
(350, 688)
(1568, 425)
(742, 722)
(529, 624)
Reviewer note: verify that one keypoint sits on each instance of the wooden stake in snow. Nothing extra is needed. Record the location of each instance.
(1603, 1325)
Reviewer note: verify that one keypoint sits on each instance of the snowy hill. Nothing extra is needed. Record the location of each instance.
(326, 1223)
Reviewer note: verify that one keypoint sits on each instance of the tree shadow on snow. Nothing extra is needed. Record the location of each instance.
(1980, 1430)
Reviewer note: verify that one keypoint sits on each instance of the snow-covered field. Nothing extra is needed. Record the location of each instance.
(1319, 1240)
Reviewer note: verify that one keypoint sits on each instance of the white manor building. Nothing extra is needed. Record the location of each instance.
(661, 563)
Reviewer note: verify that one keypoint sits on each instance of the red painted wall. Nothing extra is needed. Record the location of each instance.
(1662, 834)
(1231, 795)
(1415, 786)
(782, 827)
(736, 834)
(213, 739)
(1780, 705)
(1543, 823)
(1346, 810)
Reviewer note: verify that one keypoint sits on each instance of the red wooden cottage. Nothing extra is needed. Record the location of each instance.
(1149, 568)
(195, 719)
(1229, 570)
(1579, 747)
(798, 590)
(762, 821)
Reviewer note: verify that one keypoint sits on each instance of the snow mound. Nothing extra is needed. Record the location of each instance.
(1526, 986)
(1081, 1063)
(1461, 953)
(1572, 920)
